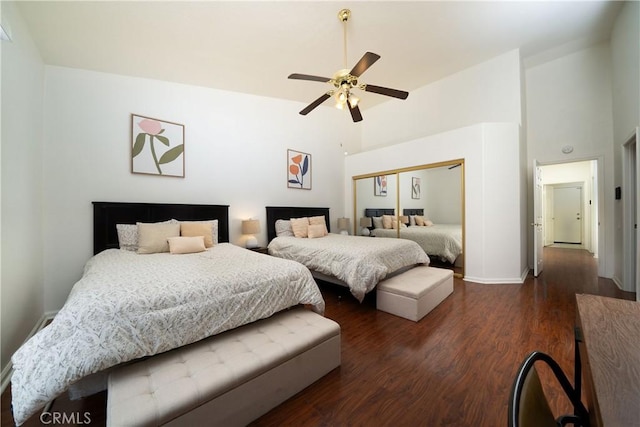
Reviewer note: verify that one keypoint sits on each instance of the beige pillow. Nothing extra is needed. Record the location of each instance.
(300, 226)
(152, 238)
(387, 221)
(428, 222)
(317, 230)
(319, 220)
(420, 220)
(198, 228)
(186, 245)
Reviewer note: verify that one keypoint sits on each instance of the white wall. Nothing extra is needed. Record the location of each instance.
(440, 194)
(487, 92)
(235, 147)
(21, 177)
(492, 191)
(569, 103)
(625, 59)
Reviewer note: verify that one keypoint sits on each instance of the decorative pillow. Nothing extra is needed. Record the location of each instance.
(300, 226)
(428, 222)
(317, 230)
(419, 220)
(283, 228)
(387, 221)
(186, 245)
(377, 222)
(319, 220)
(198, 228)
(127, 236)
(152, 238)
(412, 220)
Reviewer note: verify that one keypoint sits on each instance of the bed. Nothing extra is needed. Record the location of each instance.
(128, 306)
(439, 241)
(357, 262)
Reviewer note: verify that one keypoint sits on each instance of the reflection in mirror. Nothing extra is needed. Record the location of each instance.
(423, 203)
(375, 192)
(431, 206)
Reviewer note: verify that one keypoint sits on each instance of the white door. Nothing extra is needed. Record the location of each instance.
(538, 230)
(567, 214)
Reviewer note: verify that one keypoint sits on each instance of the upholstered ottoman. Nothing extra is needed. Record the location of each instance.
(415, 292)
(229, 379)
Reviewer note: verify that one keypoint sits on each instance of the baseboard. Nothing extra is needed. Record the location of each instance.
(618, 283)
(7, 371)
(502, 281)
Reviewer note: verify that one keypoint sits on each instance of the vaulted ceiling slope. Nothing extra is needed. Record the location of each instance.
(252, 47)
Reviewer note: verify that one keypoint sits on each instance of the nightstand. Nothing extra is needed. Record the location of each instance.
(260, 250)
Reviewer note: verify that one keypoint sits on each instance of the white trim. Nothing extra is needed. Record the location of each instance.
(7, 371)
(618, 282)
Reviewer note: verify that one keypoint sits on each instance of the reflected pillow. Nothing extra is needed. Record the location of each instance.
(387, 221)
(419, 220)
(377, 222)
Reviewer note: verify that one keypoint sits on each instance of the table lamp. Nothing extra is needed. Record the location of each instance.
(365, 223)
(251, 227)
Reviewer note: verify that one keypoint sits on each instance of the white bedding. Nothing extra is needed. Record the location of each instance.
(127, 306)
(360, 262)
(441, 240)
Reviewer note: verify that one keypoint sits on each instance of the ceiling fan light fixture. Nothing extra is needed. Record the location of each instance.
(353, 100)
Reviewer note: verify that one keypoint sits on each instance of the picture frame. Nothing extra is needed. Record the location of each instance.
(298, 170)
(380, 185)
(415, 187)
(157, 147)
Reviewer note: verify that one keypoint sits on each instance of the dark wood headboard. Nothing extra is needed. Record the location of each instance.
(408, 212)
(275, 213)
(371, 212)
(107, 214)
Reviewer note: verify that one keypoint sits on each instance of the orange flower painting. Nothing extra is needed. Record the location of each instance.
(298, 170)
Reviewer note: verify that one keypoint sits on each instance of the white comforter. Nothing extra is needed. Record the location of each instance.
(360, 262)
(441, 240)
(127, 306)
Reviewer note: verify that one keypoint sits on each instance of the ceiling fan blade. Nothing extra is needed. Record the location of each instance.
(365, 62)
(315, 103)
(309, 77)
(355, 114)
(386, 91)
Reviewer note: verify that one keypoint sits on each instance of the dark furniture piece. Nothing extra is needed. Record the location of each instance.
(275, 213)
(528, 406)
(409, 212)
(107, 214)
(260, 250)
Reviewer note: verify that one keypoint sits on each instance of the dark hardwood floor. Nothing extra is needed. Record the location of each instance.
(453, 368)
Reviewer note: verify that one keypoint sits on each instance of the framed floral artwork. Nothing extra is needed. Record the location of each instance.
(298, 170)
(380, 185)
(157, 147)
(415, 188)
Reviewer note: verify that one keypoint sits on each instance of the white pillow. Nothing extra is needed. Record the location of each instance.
(127, 236)
(152, 238)
(186, 245)
(283, 228)
(377, 222)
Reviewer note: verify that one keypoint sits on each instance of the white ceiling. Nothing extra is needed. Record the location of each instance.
(252, 47)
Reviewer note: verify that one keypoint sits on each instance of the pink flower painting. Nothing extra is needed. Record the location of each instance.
(157, 147)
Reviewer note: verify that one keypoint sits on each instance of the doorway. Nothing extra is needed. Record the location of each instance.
(566, 213)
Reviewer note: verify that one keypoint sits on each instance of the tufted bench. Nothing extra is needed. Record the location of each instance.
(415, 292)
(228, 379)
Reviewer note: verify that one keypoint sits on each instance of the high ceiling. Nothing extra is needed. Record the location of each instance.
(252, 47)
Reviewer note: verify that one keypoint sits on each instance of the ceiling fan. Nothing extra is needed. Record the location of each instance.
(345, 81)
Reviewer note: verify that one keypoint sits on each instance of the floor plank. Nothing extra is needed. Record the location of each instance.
(453, 368)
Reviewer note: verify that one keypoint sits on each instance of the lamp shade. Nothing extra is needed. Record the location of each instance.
(365, 221)
(343, 223)
(250, 226)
